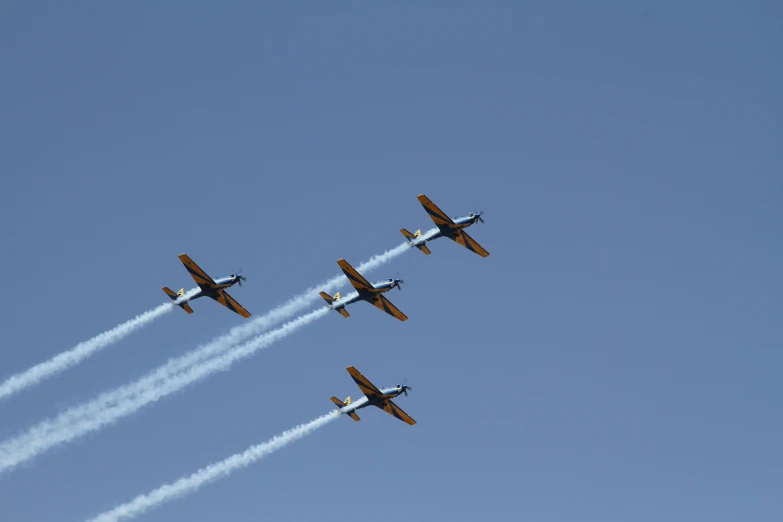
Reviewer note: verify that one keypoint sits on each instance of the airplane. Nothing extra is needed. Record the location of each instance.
(370, 292)
(373, 397)
(214, 288)
(447, 227)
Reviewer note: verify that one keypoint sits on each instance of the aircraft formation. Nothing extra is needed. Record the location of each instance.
(371, 292)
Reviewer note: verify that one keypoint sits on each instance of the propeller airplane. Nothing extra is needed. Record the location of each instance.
(367, 291)
(380, 398)
(213, 288)
(447, 227)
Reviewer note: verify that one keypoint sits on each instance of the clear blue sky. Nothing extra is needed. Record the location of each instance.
(616, 358)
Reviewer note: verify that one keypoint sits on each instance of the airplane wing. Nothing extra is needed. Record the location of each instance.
(201, 277)
(392, 409)
(356, 279)
(440, 218)
(366, 386)
(229, 302)
(468, 242)
(385, 305)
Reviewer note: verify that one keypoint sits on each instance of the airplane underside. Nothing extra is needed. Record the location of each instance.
(214, 289)
(370, 298)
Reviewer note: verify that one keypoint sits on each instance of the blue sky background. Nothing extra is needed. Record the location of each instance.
(616, 358)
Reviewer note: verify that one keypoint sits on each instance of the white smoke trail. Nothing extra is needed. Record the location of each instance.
(42, 438)
(112, 405)
(211, 473)
(63, 361)
(272, 317)
(239, 333)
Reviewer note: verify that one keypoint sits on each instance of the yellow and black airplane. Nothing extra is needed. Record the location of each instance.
(380, 398)
(370, 292)
(213, 288)
(447, 227)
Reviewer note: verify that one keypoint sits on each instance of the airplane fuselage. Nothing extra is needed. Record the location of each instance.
(364, 401)
(381, 286)
(459, 224)
(221, 283)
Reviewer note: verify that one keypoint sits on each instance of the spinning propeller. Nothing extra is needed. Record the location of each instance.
(405, 387)
(477, 215)
(239, 276)
(397, 282)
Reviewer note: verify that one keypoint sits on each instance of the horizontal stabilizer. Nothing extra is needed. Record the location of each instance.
(328, 298)
(343, 312)
(341, 404)
(174, 296)
(423, 248)
(408, 234)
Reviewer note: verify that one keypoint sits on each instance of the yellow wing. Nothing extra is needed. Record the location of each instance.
(385, 305)
(438, 216)
(392, 409)
(468, 242)
(201, 277)
(356, 279)
(366, 386)
(229, 302)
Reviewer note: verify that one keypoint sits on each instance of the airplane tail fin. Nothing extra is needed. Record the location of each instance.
(411, 237)
(174, 296)
(341, 404)
(330, 299)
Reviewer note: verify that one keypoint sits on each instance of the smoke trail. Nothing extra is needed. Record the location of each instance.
(237, 334)
(211, 473)
(272, 317)
(42, 438)
(217, 345)
(63, 361)
(112, 405)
